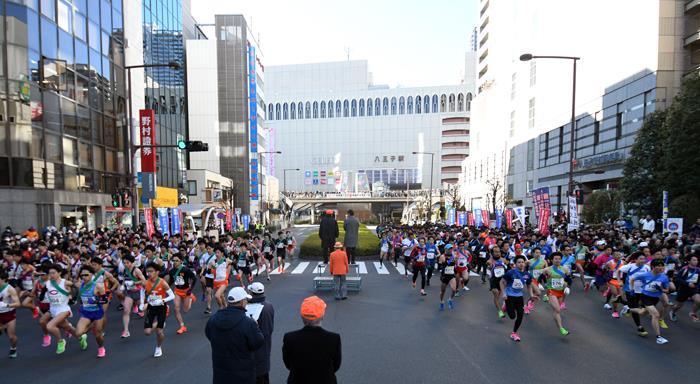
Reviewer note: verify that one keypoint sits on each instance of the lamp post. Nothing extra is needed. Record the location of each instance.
(260, 179)
(430, 193)
(528, 57)
(174, 65)
(285, 176)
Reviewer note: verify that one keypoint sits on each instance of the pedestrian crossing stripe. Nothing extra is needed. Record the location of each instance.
(402, 270)
(277, 271)
(300, 268)
(381, 269)
(362, 267)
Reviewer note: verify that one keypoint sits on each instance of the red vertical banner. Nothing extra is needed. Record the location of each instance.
(229, 219)
(544, 221)
(509, 218)
(147, 129)
(485, 217)
(148, 214)
(470, 218)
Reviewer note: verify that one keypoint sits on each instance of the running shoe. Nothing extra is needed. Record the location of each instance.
(158, 352)
(181, 330)
(642, 332)
(413, 284)
(442, 306)
(13, 353)
(83, 342)
(616, 314)
(422, 292)
(46, 341)
(661, 340)
(562, 306)
(61, 346)
(663, 324)
(607, 306)
(101, 352)
(563, 331)
(526, 310)
(694, 317)
(450, 304)
(35, 313)
(501, 314)
(207, 311)
(545, 298)
(466, 289)
(625, 310)
(125, 334)
(587, 287)
(193, 298)
(673, 316)
(458, 293)
(514, 336)
(120, 307)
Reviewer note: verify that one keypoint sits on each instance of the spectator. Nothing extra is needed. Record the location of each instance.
(648, 224)
(328, 232)
(234, 338)
(264, 314)
(312, 354)
(339, 270)
(351, 226)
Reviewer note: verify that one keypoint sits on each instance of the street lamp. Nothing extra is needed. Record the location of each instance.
(174, 65)
(260, 179)
(285, 176)
(528, 57)
(430, 193)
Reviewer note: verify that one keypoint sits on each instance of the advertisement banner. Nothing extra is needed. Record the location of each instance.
(148, 214)
(675, 225)
(175, 212)
(478, 218)
(509, 218)
(573, 214)
(540, 197)
(485, 215)
(520, 214)
(163, 220)
(229, 219)
(544, 221)
(254, 179)
(245, 219)
(470, 219)
(451, 216)
(664, 212)
(147, 129)
(499, 218)
(462, 218)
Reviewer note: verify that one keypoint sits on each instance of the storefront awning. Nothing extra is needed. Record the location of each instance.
(193, 209)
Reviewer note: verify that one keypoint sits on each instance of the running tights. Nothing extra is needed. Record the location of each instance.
(431, 269)
(634, 301)
(416, 271)
(481, 267)
(515, 310)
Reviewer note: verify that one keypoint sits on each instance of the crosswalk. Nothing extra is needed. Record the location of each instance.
(361, 267)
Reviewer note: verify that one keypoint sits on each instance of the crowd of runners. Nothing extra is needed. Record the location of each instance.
(637, 273)
(56, 274)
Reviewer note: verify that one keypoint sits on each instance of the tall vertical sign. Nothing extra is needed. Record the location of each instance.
(485, 216)
(462, 218)
(176, 223)
(451, 216)
(163, 220)
(148, 215)
(499, 218)
(478, 218)
(573, 214)
(509, 218)
(664, 212)
(253, 125)
(147, 130)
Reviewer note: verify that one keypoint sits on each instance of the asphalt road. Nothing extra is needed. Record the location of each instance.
(390, 334)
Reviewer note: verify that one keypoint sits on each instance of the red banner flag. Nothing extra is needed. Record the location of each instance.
(509, 218)
(148, 214)
(485, 217)
(147, 128)
(470, 219)
(229, 219)
(544, 221)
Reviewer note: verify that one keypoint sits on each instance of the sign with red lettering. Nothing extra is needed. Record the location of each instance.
(509, 218)
(148, 215)
(147, 129)
(544, 221)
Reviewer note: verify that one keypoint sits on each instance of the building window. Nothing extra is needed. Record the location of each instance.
(460, 103)
(353, 108)
(426, 103)
(271, 112)
(362, 107)
(529, 186)
(531, 114)
(546, 146)
(330, 108)
(369, 107)
(530, 155)
(451, 103)
(307, 110)
(418, 104)
(385, 106)
(377, 107)
(293, 111)
(323, 109)
(511, 161)
(511, 191)
(443, 103)
(435, 104)
(191, 187)
(596, 132)
(346, 108)
(533, 73)
(469, 101)
(512, 124)
(315, 110)
(393, 105)
(561, 140)
(278, 111)
(300, 110)
(285, 111)
(618, 125)
(338, 109)
(402, 105)
(513, 79)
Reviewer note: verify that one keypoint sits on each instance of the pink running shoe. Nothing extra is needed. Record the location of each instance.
(527, 309)
(587, 287)
(514, 336)
(503, 307)
(46, 341)
(616, 315)
(101, 352)
(562, 306)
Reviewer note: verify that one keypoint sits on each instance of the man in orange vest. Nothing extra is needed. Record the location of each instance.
(339, 269)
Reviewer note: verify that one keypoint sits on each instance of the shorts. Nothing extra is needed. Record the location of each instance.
(459, 270)
(615, 283)
(92, 315)
(685, 293)
(219, 284)
(180, 292)
(445, 279)
(633, 299)
(156, 313)
(244, 270)
(269, 256)
(649, 301)
(134, 295)
(55, 311)
(44, 307)
(209, 282)
(407, 260)
(600, 280)
(281, 252)
(495, 283)
(7, 317)
(556, 293)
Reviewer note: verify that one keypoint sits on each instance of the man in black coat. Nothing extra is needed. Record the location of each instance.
(234, 338)
(264, 314)
(328, 232)
(312, 354)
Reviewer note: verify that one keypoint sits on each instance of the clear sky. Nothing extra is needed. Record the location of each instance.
(406, 42)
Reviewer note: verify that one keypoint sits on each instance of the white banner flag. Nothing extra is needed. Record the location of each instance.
(573, 214)
(674, 225)
(520, 214)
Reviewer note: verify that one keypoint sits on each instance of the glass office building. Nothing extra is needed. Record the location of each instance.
(63, 129)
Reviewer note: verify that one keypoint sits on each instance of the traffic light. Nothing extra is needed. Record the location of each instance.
(116, 200)
(193, 146)
(579, 196)
(125, 198)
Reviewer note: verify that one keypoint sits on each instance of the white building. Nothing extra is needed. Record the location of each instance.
(344, 133)
(522, 110)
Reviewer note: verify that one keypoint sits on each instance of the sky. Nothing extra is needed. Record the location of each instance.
(406, 42)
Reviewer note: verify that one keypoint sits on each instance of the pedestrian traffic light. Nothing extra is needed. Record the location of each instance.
(193, 146)
(116, 200)
(125, 198)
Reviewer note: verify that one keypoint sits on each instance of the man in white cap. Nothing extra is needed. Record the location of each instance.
(234, 338)
(264, 314)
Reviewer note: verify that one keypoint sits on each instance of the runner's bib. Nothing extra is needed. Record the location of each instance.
(482, 255)
(267, 250)
(450, 270)
(242, 263)
(557, 283)
(431, 256)
(179, 281)
(692, 278)
(420, 258)
(517, 284)
(498, 272)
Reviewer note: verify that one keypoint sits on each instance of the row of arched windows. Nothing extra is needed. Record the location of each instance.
(370, 107)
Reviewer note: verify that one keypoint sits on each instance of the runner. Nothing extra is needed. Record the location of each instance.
(633, 292)
(182, 280)
(512, 286)
(463, 260)
(446, 266)
(556, 287)
(207, 262)
(614, 284)
(687, 285)
(418, 255)
(654, 283)
(58, 292)
(243, 262)
(497, 269)
(396, 242)
(431, 251)
(220, 270)
(92, 295)
(9, 302)
(281, 252)
(158, 293)
(105, 278)
(536, 266)
(407, 246)
(384, 250)
(268, 255)
(43, 308)
(132, 292)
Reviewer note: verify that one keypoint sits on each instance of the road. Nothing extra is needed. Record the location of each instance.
(390, 334)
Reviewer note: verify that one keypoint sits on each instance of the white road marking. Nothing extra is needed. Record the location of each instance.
(362, 267)
(300, 268)
(277, 271)
(382, 270)
(402, 270)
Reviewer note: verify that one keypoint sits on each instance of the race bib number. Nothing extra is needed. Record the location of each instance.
(693, 279)
(498, 272)
(241, 263)
(431, 256)
(280, 245)
(179, 281)
(517, 284)
(129, 284)
(652, 287)
(482, 255)
(420, 258)
(637, 286)
(267, 250)
(155, 300)
(558, 283)
(450, 270)
(54, 300)
(537, 273)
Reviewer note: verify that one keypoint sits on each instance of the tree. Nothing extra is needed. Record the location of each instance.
(453, 196)
(601, 206)
(495, 193)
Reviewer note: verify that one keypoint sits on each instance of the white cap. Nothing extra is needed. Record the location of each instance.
(257, 288)
(643, 244)
(600, 243)
(237, 294)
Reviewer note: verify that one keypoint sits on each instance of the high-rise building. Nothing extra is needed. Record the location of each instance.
(63, 129)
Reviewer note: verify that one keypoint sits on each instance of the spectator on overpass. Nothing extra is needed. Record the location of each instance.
(339, 270)
(351, 226)
(328, 232)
